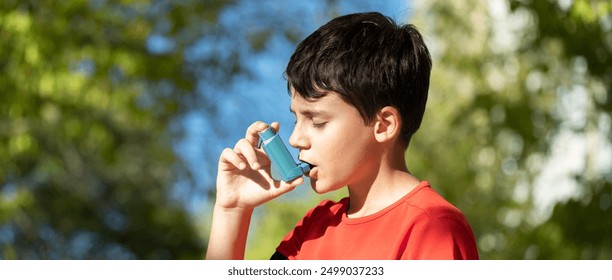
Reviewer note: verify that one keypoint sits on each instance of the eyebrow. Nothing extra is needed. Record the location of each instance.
(309, 113)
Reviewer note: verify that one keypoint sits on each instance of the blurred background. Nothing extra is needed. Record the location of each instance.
(113, 115)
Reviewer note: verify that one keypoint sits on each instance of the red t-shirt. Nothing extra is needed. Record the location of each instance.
(421, 225)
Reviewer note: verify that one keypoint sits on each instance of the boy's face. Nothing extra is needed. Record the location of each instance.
(332, 136)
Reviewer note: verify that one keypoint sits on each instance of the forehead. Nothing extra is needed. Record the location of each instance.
(328, 103)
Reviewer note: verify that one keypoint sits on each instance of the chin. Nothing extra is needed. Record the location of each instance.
(320, 188)
(320, 191)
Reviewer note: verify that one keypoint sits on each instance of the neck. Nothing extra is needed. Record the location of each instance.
(387, 183)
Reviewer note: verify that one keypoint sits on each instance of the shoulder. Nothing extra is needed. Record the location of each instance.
(429, 211)
(439, 229)
(431, 204)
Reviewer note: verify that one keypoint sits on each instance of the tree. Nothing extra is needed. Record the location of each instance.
(578, 228)
(510, 69)
(91, 95)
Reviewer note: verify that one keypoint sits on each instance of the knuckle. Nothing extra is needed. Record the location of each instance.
(243, 146)
(226, 152)
(239, 143)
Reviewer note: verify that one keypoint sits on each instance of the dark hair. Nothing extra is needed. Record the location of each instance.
(370, 61)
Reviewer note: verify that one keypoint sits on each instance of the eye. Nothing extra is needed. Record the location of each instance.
(319, 125)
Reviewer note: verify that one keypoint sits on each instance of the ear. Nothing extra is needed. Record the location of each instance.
(388, 124)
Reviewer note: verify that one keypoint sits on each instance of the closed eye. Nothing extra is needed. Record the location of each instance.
(319, 125)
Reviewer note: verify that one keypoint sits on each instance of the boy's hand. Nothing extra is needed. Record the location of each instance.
(244, 180)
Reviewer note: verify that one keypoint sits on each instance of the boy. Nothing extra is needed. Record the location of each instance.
(358, 90)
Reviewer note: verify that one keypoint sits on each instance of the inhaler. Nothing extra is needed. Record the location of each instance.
(280, 157)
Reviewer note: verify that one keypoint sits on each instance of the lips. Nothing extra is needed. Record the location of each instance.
(312, 168)
(313, 174)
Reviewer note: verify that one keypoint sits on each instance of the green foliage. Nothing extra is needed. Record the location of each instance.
(87, 108)
(577, 229)
(503, 73)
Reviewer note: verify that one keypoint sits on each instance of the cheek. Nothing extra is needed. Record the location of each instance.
(344, 156)
(337, 148)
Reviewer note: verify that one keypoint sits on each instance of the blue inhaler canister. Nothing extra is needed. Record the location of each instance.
(280, 157)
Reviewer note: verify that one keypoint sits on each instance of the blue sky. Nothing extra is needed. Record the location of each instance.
(262, 96)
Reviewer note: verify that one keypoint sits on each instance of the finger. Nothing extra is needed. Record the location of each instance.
(252, 132)
(285, 187)
(244, 148)
(295, 182)
(229, 160)
(276, 126)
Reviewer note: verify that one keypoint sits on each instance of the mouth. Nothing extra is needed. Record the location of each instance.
(312, 166)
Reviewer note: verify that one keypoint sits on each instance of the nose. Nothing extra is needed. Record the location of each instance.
(297, 139)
